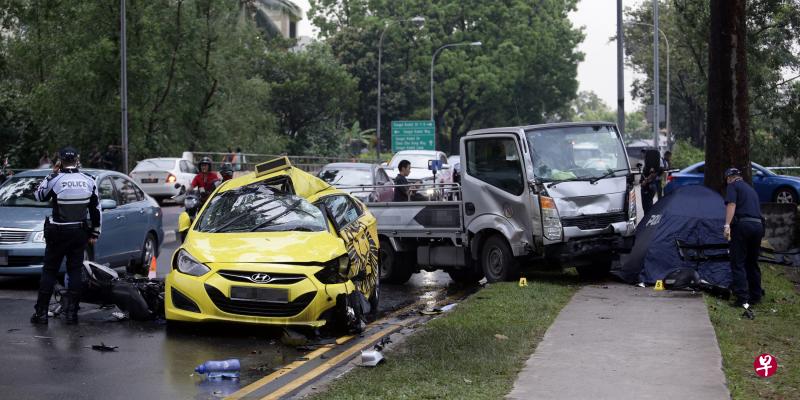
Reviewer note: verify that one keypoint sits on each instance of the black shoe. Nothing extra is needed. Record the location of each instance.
(741, 303)
(39, 319)
(71, 308)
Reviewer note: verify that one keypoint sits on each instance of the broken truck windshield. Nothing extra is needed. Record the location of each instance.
(576, 152)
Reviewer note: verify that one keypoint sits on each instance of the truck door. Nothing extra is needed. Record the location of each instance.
(494, 187)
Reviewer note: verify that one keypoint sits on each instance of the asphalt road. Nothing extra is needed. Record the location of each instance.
(151, 361)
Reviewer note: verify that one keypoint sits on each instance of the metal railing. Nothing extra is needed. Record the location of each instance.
(417, 192)
(311, 164)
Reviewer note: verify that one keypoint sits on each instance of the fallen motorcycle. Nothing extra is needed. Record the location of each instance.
(140, 299)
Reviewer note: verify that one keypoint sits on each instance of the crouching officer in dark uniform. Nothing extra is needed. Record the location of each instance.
(744, 228)
(67, 232)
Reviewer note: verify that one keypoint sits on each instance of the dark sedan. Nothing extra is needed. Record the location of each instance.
(131, 225)
(770, 186)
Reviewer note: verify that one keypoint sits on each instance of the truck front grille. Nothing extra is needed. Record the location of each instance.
(596, 221)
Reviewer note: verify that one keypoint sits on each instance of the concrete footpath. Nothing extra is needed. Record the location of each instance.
(615, 341)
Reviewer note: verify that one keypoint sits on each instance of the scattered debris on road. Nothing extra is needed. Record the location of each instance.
(293, 338)
(500, 337)
(371, 358)
(102, 347)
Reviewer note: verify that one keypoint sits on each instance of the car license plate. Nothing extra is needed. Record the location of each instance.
(271, 295)
(149, 180)
(3, 257)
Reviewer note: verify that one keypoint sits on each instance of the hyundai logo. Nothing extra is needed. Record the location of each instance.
(260, 278)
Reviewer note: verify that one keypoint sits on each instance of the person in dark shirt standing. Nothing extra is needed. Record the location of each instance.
(744, 228)
(402, 191)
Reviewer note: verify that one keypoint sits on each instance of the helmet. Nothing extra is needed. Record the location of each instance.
(732, 172)
(206, 160)
(226, 170)
(68, 154)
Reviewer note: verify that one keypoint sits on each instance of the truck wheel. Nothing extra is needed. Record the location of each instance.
(392, 268)
(598, 270)
(497, 261)
(467, 276)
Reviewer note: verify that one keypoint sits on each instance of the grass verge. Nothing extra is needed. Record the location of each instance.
(457, 355)
(776, 330)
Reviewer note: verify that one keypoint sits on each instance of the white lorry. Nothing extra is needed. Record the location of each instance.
(529, 196)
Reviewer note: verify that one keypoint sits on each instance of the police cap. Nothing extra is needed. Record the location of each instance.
(732, 172)
(68, 154)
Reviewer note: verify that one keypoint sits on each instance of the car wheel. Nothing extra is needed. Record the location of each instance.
(785, 195)
(497, 260)
(392, 268)
(149, 250)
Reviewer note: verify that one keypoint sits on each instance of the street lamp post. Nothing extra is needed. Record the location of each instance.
(123, 85)
(419, 21)
(433, 61)
(669, 115)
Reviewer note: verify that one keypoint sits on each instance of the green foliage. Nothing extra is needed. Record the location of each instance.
(311, 95)
(525, 72)
(193, 78)
(589, 107)
(773, 36)
(685, 154)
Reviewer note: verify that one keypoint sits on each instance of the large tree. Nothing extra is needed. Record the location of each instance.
(728, 141)
(525, 72)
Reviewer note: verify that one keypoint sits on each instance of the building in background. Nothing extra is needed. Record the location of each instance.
(275, 17)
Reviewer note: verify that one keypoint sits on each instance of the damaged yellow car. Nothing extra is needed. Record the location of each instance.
(277, 246)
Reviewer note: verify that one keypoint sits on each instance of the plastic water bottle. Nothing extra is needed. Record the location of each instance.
(220, 369)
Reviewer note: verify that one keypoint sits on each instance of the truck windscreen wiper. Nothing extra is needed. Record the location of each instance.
(554, 183)
(606, 175)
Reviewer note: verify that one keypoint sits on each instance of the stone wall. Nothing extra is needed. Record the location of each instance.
(782, 225)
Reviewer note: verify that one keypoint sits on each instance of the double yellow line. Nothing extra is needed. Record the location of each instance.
(325, 366)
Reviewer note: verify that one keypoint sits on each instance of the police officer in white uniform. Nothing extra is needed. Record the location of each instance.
(75, 222)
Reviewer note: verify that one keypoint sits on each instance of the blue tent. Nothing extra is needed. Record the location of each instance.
(693, 215)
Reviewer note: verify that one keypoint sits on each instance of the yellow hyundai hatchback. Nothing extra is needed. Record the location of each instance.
(277, 246)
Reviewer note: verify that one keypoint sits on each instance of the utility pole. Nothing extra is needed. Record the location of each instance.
(620, 72)
(123, 84)
(656, 101)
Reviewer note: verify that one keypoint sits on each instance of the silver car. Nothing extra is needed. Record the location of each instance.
(131, 224)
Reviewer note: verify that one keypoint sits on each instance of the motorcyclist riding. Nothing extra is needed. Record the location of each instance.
(205, 179)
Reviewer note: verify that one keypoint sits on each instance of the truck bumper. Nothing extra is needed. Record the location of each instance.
(585, 251)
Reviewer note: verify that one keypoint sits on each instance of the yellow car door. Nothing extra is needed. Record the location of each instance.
(354, 225)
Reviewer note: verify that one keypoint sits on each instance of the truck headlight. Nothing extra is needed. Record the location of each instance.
(188, 265)
(632, 206)
(38, 237)
(551, 223)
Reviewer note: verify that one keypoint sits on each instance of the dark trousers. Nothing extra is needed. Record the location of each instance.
(745, 248)
(648, 192)
(62, 242)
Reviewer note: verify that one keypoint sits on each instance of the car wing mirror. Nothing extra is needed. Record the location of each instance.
(108, 204)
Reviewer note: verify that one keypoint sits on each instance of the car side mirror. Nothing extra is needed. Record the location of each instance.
(178, 186)
(108, 204)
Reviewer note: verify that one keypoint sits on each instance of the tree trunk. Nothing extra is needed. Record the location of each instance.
(727, 143)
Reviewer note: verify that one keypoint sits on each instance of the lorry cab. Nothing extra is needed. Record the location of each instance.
(564, 190)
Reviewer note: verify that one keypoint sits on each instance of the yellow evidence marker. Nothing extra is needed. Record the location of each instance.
(523, 282)
(659, 285)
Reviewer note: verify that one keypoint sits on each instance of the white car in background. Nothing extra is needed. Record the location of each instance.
(419, 165)
(158, 176)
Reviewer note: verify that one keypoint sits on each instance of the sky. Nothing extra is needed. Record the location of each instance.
(598, 71)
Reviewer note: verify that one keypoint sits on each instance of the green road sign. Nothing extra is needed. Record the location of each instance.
(412, 135)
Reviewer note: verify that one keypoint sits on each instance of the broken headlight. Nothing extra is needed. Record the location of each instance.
(188, 265)
(551, 223)
(632, 206)
(335, 271)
